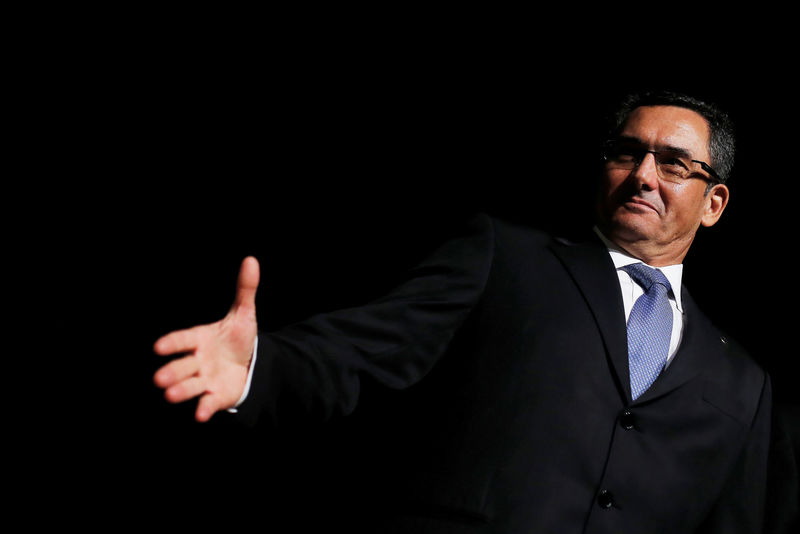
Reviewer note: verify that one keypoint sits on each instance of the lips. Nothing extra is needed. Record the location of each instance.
(637, 202)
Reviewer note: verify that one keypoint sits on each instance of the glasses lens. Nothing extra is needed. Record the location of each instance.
(674, 166)
(622, 157)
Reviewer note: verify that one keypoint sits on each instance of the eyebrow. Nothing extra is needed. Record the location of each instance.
(676, 149)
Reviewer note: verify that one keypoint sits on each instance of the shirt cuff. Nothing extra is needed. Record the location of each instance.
(249, 379)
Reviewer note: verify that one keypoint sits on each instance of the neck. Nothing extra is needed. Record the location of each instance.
(651, 253)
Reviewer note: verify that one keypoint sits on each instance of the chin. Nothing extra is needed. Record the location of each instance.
(631, 227)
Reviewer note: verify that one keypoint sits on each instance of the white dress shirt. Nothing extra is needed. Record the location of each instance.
(632, 291)
(249, 379)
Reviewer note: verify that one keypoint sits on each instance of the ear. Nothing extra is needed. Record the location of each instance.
(714, 204)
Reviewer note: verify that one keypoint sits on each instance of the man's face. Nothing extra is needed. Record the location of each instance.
(636, 207)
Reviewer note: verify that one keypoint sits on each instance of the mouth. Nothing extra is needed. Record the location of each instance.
(638, 204)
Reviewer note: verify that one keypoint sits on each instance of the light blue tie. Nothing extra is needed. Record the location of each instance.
(649, 328)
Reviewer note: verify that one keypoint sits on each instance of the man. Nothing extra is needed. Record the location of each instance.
(528, 405)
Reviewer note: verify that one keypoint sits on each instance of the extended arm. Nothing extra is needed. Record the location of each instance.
(316, 367)
(317, 364)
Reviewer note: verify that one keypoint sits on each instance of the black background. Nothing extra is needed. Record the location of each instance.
(339, 160)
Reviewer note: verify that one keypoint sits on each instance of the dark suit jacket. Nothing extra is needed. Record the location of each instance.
(510, 350)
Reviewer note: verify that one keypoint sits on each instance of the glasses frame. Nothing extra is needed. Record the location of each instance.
(714, 177)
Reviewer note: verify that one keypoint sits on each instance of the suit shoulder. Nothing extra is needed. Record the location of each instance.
(739, 357)
(735, 354)
(520, 234)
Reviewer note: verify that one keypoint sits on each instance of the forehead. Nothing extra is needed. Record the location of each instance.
(669, 126)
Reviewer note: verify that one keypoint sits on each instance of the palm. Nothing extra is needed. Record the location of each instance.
(217, 355)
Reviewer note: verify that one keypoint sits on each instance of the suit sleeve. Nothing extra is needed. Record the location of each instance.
(315, 367)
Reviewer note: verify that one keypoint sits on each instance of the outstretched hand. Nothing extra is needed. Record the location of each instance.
(216, 356)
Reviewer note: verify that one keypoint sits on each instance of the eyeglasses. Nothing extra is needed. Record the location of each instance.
(673, 165)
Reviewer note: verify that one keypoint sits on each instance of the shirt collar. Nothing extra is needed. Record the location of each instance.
(674, 273)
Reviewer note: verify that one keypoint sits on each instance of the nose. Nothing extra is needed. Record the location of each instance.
(646, 172)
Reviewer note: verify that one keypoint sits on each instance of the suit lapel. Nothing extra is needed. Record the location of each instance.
(698, 349)
(590, 266)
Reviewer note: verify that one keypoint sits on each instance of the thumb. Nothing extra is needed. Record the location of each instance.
(247, 284)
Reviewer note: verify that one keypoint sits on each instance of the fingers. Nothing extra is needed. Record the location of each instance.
(175, 371)
(208, 405)
(185, 390)
(179, 379)
(247, 284)
(178, 341)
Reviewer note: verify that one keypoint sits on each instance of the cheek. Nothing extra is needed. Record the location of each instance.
(683, 190)
(613, 179)
(611, 188)
(685, 202)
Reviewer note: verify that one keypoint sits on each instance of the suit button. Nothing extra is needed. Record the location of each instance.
(605, 499)
(627, 420)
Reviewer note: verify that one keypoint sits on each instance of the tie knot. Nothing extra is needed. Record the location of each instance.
(646, 277)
